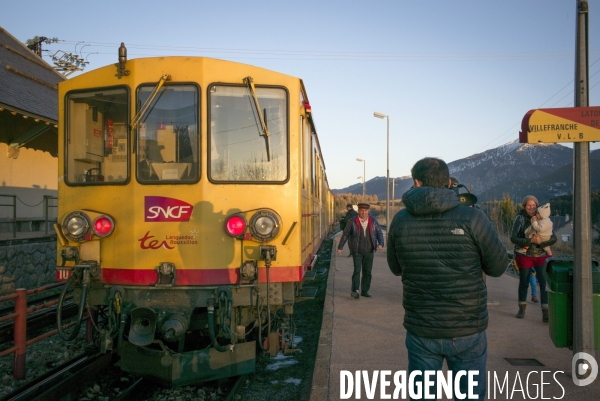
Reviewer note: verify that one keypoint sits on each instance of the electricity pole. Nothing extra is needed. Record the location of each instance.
(583, 317)
(64, 63)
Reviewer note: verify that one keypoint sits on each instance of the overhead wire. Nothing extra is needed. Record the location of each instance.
(336, 55)
(510, 130)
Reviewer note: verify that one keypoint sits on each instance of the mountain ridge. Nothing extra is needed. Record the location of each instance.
(516, 169)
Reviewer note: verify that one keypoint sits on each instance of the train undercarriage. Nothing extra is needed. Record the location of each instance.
(181, 335)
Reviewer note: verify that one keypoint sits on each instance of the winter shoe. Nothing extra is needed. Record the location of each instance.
(545, 315)
(521, 313)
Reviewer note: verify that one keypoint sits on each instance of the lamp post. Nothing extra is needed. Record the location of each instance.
(364, 162)
(363, 178)
(393, 192)
(387, 179)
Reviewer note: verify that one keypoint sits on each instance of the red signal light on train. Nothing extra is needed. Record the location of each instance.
(235, 225)
(306, 105)
(103, 226)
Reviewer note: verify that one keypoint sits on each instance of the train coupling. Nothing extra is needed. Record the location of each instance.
(268, 252)
(165, 274)
(86, 271)
(248, 271)
(69, 253)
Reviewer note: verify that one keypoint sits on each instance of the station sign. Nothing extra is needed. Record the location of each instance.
(570, 124)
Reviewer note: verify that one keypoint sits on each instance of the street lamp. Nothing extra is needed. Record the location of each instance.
(387, 180)
(363, 178)
(364, 162)
(393, 192)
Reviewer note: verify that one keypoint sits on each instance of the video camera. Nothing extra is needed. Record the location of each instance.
(467, 199)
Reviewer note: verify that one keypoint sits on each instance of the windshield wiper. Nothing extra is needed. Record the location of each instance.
(262, 120)
(142, 112)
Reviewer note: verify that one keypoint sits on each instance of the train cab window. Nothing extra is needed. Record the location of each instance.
(97, 148)
(239, 150)
(167, 136)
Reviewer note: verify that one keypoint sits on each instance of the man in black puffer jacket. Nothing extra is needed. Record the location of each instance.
(442, 249)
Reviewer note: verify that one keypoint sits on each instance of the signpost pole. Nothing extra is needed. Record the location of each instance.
(583, 318)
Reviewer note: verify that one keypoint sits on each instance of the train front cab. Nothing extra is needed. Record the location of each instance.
(182, 224)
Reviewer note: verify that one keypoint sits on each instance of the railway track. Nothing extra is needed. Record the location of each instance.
(77, 378)
(63, 381)
(93, 372)
(35, 321)
(7, 309)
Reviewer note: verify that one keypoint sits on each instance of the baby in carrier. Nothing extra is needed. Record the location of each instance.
(541, 225)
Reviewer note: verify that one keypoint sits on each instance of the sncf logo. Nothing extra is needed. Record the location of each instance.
(160, 208)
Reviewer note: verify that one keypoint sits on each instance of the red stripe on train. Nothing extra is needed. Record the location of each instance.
(195, 276)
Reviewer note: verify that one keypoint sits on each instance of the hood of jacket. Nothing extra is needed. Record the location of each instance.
(428, 200)
(544, 210)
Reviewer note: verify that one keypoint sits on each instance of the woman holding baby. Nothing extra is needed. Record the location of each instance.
(532, 235)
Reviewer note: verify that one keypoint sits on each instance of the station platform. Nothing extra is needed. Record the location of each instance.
(367, 334)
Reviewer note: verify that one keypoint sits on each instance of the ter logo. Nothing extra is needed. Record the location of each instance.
(161, 209)
(584, 368)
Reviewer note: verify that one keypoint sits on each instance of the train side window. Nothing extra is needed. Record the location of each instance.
(307, 154)
(238, 149)
(97, 138)
(302, 162)
(313, 171)
(167, 136)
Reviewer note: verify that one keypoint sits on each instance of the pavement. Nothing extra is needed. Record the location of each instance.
(367, 334)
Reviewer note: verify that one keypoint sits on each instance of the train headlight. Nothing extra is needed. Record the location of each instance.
(235, 225)
(76, 225)
(103, 225)
(265, 225)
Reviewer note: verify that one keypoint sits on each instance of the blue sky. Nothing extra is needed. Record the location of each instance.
(455, 77)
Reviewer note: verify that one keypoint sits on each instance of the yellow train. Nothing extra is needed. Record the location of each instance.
(192, 201)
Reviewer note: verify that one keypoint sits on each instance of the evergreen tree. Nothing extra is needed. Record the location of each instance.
(507, 213)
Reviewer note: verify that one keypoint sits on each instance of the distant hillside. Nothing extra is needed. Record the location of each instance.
(376, 186)
(543, 170)
(556, 183)
(508, 163)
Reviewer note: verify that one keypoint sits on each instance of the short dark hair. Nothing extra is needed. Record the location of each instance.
(431, 172)
(349, 205)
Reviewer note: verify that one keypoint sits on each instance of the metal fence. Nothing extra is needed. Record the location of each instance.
(20, 325)
(50, 206)
(14, 212)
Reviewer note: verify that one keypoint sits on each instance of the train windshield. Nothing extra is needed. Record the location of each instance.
(167, 146)
(238, 149)
(97, 137)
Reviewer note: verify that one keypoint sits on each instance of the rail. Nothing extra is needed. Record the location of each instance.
(14, 212)
(63, 382)
(20, 325)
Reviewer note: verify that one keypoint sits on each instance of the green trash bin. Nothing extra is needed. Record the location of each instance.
(559, 278)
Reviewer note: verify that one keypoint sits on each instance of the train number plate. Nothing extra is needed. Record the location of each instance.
(63, 274)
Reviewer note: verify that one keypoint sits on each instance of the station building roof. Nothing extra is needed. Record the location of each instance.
(28, 97)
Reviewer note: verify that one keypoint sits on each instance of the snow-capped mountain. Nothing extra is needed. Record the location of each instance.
(516, 169)
(509, 163)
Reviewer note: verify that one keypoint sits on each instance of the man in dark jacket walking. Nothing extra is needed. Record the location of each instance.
(349, 214)
(441, 249)
(364, 237)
